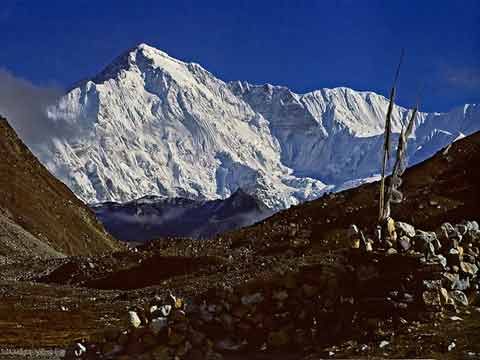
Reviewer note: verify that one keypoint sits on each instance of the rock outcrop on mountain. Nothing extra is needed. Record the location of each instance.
(150, 124)
(154, 217)
(39, 215)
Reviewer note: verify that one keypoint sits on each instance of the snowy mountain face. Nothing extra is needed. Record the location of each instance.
(336, 134)
(153, 125)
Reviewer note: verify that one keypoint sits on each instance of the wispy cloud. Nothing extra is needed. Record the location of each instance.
(24, 105)
(467, 77)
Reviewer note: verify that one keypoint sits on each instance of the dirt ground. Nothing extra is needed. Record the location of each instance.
(46, 305)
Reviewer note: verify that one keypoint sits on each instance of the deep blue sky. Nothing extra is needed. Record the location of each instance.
(301, 44)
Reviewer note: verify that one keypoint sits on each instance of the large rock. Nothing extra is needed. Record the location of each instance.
(463, 283)
(449, 280)
(468, 268)
(134, 319)
(459, 297)
(391, 251)
(470, 257)
(472, 226)
(446, 229)
(440, 259)
(473, 236)
(404, 243)
(449, 236)
(161, 311)
(445, 297)
(404, 229)
(426, 242)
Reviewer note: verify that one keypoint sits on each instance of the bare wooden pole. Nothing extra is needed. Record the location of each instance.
(386, 145)
(386, 155)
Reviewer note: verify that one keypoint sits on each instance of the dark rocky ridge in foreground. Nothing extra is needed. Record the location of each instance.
(444, 188)
(39, 214)
(297, 260)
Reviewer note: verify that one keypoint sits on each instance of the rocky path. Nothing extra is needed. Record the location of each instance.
(29, 354)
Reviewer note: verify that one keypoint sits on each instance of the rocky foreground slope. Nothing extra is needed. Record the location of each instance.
(289, 287)
(150, 124)
(39, 215)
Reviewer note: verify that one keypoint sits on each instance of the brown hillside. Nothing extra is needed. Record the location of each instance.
(296, 260)
(444, 188)
(43, 206)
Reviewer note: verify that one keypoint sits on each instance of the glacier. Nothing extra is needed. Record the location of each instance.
(150, 124)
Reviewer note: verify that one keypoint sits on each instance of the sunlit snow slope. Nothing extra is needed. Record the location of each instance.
(153, 125)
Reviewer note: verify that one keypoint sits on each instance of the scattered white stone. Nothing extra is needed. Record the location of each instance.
(451, 346)
(405, 228)
(383, 343)
(133, 319)
(391, 251)
(79, 349)
(166, 310)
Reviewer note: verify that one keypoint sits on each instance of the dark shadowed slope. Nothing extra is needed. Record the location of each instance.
(39, 215)
(153, 217)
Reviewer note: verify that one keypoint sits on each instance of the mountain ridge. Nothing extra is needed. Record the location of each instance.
(150, 124)
(152, 217)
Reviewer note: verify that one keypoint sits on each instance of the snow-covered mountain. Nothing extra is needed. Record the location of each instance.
(150, 124)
